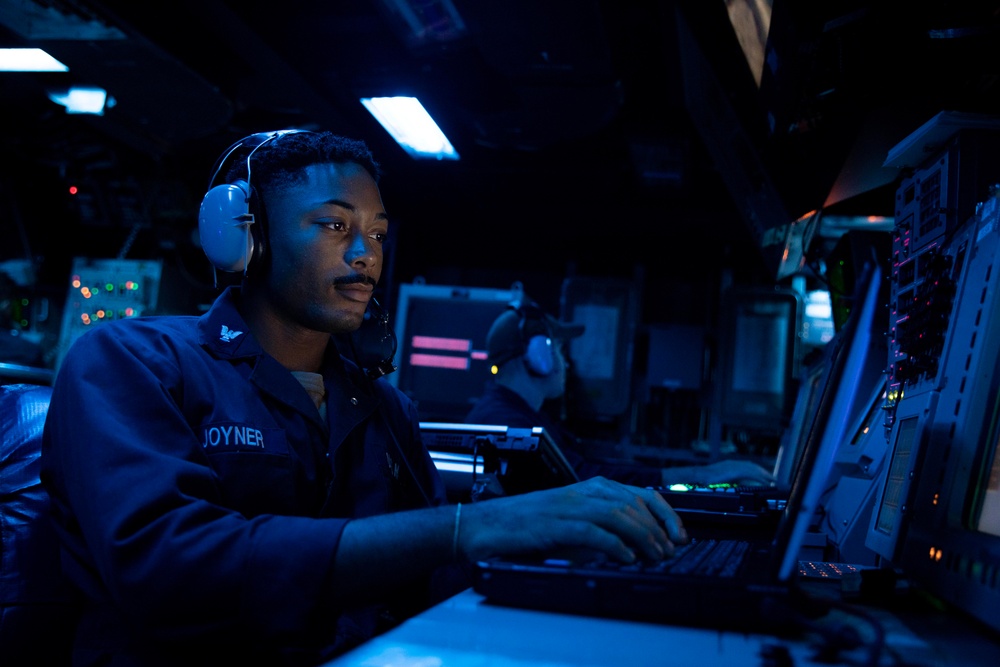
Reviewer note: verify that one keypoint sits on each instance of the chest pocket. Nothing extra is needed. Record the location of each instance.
(258, 472)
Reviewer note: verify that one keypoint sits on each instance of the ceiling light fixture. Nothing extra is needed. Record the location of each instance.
(411, 126)
(88, 100)
(425, 22)
(29, 60)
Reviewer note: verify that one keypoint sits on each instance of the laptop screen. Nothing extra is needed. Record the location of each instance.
(835, 411)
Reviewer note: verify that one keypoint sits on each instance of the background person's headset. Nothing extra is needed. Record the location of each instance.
(536, 342)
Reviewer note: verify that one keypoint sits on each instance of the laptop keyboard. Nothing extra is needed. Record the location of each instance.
(707, 557)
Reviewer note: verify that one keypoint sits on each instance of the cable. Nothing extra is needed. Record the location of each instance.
(840, 637)
(372, 377)
(399, 451)
(876, 645)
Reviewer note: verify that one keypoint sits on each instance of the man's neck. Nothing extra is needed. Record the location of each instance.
(523, 387)
(295, 348)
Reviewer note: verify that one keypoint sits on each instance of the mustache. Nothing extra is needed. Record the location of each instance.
(355, 279)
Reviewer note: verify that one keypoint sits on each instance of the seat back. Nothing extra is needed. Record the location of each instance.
(37, 604)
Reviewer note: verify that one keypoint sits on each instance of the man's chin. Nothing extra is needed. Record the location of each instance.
(337, 320)
(348, 322)
(352, 321)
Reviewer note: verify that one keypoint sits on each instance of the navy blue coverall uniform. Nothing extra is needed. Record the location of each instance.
(200, 497)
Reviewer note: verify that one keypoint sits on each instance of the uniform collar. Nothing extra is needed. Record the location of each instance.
(224, 332)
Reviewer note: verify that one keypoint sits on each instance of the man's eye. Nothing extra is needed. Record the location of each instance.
(379, 237)
(335, 225)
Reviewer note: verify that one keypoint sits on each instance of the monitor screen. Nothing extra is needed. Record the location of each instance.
(818, 326)
(758, 358)
(441, 338)
(600, 361)
(803, 416)
(888, 516)
(974, 497)
(987, 511)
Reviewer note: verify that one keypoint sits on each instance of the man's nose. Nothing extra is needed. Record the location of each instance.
(361, 249)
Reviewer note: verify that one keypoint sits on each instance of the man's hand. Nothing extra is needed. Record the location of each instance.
(625, 522)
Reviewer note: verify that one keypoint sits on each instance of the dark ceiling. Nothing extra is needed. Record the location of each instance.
(601, 137)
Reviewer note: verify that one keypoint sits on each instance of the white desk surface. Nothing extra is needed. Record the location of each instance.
(464, 631)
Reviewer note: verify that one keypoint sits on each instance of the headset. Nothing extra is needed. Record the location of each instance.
(230, 212)
(536, 339)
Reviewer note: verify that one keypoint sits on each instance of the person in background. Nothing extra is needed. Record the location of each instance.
(525, 351)
(235, 488)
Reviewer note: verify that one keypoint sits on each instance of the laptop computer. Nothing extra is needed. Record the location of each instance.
(746, 504)
(725, 578)
(705, 584)
(843, 384)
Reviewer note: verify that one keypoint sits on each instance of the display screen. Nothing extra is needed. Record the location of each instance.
(989, 516)
(441, 337)
(988, 520)
(803, 419)
(758, 358)
(761, 360)
(895, 484)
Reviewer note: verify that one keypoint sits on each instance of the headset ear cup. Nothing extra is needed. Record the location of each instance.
(538, 355)
(225, 226)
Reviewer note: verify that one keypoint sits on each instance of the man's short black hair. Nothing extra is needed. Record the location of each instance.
(281, 161)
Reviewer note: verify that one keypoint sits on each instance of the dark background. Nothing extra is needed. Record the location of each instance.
(598, 138)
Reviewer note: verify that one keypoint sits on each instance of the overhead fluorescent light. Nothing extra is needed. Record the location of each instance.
(29, 60)
(83, 100)
(411, 126)
(424, 22)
